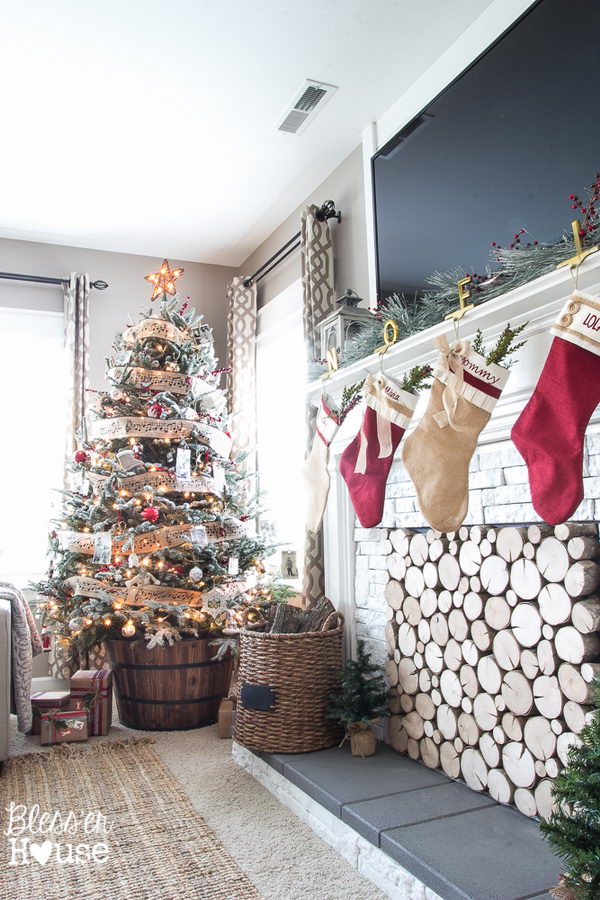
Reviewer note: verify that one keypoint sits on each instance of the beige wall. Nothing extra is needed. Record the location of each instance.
(127, 291)
(345, 186)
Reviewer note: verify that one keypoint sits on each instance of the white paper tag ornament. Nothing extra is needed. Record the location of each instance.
(102, 548)
(183, 462)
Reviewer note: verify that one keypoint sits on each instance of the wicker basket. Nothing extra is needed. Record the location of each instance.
(283, 688)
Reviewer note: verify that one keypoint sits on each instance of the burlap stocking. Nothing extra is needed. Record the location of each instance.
(437, 454)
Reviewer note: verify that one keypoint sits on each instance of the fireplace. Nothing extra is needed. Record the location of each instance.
(363, 565)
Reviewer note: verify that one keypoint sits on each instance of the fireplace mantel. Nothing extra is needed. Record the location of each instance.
(536, 303)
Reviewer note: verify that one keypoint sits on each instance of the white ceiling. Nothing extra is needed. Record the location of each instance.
(147, 126)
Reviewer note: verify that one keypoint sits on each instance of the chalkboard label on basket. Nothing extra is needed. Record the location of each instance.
(258, 696)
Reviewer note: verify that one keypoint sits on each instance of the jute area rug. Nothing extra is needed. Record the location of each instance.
(118, 827)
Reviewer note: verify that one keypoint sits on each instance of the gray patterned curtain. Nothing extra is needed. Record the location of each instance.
(76, 314)
(318, 289)
(63, 659)
(241, 350)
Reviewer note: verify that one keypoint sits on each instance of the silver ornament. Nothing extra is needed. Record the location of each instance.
(74, 624)
(196, 574)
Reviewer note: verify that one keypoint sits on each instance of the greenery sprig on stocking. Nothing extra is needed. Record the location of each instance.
(504, 346)
(364, 695)
(417, 379)
(574, 829)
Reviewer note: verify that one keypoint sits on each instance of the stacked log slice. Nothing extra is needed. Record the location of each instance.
(493, 646)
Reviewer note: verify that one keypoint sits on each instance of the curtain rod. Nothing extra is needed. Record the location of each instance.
(40, 279)
(326, 211)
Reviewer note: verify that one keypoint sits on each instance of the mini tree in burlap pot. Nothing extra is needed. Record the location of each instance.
(363, 698)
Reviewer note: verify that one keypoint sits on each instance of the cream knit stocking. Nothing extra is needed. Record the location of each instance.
(316, 474)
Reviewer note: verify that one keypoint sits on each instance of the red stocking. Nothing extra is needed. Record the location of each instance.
(366, 462)
(549, 433)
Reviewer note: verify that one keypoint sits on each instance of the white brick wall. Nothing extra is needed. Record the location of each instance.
(499, 494)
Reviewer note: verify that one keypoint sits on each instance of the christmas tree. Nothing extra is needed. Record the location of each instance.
(157, 536)
(574, 828)
(364, 695)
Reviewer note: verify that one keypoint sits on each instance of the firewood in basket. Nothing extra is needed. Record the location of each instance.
(314, 619)
(286, 619)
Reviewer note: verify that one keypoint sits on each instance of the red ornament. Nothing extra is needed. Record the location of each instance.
(80, 456)
(150, 514)
(156, 410)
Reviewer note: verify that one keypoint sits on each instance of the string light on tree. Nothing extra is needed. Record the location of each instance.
(117, 549)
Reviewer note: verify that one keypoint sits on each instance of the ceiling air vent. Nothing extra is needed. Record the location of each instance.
(310, 99)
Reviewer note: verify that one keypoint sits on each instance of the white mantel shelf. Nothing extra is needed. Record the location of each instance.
(537, 303)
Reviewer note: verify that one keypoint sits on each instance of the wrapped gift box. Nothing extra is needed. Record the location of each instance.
(225, 718)
(63, 726)
(91, 691)
(44, 701)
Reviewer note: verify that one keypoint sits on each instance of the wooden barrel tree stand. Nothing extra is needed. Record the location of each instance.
(168, 688)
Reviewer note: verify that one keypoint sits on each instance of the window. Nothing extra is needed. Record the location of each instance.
(280, 398)
(33, 382)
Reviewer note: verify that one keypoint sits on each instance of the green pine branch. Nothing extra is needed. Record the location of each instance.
(574, 828)
(504, 346)
(417, 379)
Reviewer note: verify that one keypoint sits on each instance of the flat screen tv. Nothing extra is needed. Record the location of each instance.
(499, 150)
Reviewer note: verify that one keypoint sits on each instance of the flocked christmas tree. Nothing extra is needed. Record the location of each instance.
(157, 536)
(574, 828)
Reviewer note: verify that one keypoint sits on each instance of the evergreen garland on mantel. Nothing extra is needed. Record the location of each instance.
(512, 266)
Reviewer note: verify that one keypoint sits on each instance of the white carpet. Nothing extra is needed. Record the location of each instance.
(278, 852)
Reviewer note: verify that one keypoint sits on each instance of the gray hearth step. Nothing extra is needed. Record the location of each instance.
(461, 844)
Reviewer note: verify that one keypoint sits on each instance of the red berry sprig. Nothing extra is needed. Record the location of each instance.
(515, 244)
(590, 213)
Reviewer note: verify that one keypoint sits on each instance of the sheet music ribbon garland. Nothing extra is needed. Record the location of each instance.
(157, 535)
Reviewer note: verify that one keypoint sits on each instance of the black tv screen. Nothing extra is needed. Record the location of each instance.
(499, 150)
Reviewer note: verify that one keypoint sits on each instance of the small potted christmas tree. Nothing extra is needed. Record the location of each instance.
(574, 828)
(363, 698)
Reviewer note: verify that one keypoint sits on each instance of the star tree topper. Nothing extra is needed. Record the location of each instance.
(164, 280)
